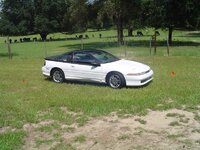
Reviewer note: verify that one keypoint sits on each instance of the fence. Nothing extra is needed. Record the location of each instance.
(135, 46)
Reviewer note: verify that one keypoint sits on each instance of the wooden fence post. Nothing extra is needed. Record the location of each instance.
(82, 44)
(155, 44)
(167, 47)
(150, 44)
(9, 48)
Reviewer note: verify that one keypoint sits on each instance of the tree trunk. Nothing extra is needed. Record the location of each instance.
(120, 34)
(130, 31)
(43, 36)
(170, 35)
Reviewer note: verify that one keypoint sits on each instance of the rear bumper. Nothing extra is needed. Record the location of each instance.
(45, 71)
(139, 80)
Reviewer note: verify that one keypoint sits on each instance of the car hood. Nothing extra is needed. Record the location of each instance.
(129, 66)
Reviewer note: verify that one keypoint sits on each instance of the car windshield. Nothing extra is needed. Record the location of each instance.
(104, 57)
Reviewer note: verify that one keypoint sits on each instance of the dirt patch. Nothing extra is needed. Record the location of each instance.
(8, 129)
(4, 129)
(172, 129)
(38, 139)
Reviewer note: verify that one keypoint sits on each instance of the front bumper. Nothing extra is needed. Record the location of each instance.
(139, 80)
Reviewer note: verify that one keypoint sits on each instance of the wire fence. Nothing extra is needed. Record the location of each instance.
(135, 46)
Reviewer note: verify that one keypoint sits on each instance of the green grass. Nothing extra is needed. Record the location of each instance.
(175, 115)
(175, 136)
(196, 131)
(11, 140)
(24, 92)
(40, 142)
(80, 139)
(141, 121)
(62, 146)
(123, 137)
(48, 128)
(174, 123)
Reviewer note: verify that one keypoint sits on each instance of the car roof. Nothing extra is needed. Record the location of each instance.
(86, 50)
(74, 51)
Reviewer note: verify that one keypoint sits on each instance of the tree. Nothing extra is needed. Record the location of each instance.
(48, 16)
(16, 17)
(174, 18)
(75, 19)
(7, 27)
(20, 17)
(171, 14)
(104, 17)
(133, 17)
(123, 13)
(119, 11)
(95, 14)
(193, 14)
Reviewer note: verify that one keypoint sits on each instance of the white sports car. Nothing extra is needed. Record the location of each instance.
(97, 65)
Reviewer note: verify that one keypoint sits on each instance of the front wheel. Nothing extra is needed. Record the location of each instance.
(116, 80)
(58, 76)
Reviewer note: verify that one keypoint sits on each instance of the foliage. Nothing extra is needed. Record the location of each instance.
(121, 12)
(27, 16)
(16, 17)
(47, 16)
(75, 19)
(93, 15)
(171, 14)
(105, 15)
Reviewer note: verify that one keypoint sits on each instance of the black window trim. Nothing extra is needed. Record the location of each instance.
(82, 63)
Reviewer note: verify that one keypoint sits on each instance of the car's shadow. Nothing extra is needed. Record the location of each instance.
(85, 83)
(76, 82)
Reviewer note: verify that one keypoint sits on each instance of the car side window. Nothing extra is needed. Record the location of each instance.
(83, 58)
(67, 58)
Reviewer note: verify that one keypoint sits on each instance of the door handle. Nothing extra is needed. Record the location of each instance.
(72, 66)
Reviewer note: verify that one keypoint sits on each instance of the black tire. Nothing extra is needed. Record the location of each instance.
(116, 80)
(58, 76)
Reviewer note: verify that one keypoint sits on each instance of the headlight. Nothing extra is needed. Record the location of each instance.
(138, 74)
(135, 74)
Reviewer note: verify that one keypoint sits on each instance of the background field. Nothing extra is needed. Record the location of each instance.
(25, 94)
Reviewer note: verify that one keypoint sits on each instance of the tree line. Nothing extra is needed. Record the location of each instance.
(22, 17)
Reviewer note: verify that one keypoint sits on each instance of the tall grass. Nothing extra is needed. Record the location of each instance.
(24, 92)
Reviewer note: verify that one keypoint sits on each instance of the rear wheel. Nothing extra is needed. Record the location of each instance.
(116, 80)
(58, 76)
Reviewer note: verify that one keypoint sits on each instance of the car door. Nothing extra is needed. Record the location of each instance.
(65, 63)
(83, 69)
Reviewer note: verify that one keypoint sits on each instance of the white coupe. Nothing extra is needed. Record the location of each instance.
(98, 66)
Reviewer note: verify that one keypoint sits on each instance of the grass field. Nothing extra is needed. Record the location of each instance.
(27, 97)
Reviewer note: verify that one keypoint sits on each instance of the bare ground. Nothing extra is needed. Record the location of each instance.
(167, 130)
